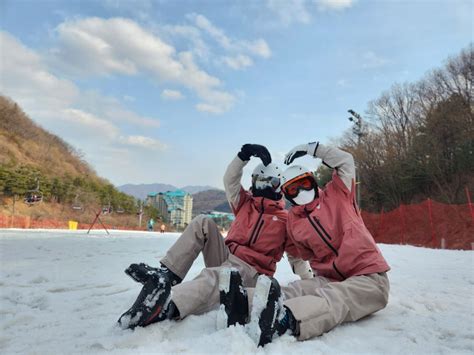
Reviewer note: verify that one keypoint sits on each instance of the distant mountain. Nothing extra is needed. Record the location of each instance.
(193, 189)
(210, 200)
(142, 190)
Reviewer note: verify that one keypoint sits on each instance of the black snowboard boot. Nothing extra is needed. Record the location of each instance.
(152, 304)
(141, 273)
(286, 321)
(234, 307)
(266, 308)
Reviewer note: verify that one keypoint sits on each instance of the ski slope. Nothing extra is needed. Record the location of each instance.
(62, 293)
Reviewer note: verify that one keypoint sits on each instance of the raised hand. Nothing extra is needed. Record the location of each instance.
(255, 150)
(296, 152)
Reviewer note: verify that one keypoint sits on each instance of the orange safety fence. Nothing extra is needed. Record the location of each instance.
(27, 222)
(427, 224)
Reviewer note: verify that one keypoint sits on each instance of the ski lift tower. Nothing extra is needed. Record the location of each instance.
(357, 129)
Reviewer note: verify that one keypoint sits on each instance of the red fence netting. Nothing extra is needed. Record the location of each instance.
(427, 224)
(27, 222)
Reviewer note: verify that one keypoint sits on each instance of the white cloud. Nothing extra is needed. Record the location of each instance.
(208, 108)
(342, 83)
(143, 142)
(113, 110)
(206, 25)
(223, 102)
(192, 34)
(336, 5)
(301, 11)
(87, 118)
(172, 94)
(258, 47)
(238, 62)
(372, 60)
(89, 122)
(290, 11)
(24, 78)
(95, 46)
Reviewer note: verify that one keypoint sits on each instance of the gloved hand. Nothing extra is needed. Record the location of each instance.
(299, 151)
(255, 150)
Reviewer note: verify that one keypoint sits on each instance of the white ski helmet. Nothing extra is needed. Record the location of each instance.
(293, 171)
(307, 181)
(266, 176)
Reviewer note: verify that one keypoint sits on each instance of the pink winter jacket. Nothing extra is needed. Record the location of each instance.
(258, 234)
(330, 232)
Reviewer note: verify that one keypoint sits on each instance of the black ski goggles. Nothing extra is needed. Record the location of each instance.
(272, 181)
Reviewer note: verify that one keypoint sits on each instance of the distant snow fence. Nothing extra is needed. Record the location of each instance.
(428, 224)
(27, 222)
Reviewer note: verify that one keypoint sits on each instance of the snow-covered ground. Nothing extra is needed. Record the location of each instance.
(62, 292)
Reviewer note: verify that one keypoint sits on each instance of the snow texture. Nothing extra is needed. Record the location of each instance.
(224, 285)
(62, 292)
(259, 302)
(224, 279)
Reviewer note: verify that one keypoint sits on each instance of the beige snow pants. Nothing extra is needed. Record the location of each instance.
(320, 305)
(201, 294)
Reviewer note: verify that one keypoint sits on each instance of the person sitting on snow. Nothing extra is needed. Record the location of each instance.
(254, 244)
(327, 229)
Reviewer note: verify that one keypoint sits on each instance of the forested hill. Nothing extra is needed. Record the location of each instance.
(31, 158)
(22, 142)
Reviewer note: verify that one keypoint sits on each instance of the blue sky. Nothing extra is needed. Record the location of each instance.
(168, 91)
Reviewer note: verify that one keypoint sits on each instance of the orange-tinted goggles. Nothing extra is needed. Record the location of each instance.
(302, 182)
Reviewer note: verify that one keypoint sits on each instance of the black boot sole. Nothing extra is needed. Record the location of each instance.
(152, 300)
(140, 272)
(233, 299)
(265, 310)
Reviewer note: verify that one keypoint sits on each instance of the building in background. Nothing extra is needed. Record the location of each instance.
(175, 207)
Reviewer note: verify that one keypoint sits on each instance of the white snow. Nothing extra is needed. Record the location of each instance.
(259, 302)
(62, 292)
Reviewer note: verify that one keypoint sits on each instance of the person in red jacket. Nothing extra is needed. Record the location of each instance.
(254, 244)
(327, 229)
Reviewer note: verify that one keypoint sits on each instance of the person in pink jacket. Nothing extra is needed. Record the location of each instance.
(327, 229)
(254, 244)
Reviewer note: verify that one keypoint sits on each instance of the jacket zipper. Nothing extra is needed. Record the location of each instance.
(337, 270)
(321, 235)
(256, 224)
(258, 232)
(325, 240)
(322, 228)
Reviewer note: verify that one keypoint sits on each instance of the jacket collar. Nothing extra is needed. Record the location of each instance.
(268, 205)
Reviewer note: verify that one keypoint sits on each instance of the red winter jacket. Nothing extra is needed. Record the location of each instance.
(330, 232)
(258, 234)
